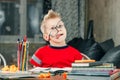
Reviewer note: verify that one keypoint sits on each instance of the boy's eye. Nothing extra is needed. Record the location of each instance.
(59, 26)
(52, 28)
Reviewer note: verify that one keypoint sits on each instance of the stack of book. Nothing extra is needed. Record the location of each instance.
(92, 67)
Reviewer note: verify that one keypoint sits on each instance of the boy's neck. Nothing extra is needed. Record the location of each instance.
(58, 44)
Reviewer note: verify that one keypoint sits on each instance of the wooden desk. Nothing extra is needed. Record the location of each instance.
(69, 77)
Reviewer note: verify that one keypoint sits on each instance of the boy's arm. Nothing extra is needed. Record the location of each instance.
(35, 61)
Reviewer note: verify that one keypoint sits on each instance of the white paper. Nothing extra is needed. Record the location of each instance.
(40, 69)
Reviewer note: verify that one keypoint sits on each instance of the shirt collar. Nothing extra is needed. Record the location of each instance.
(60, 47)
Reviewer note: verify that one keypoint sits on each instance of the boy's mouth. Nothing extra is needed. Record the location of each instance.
(58, 36)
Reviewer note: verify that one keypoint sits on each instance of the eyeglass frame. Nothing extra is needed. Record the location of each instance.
(55, 28)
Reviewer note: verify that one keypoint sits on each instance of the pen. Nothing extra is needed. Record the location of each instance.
(18, 54)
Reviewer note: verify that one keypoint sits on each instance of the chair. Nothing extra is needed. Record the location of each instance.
(85, 57)
(2, 59)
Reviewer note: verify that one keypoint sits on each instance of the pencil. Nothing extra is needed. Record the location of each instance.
(24, 55)
(18, 54)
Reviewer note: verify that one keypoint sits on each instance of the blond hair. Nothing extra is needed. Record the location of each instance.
(50, 15)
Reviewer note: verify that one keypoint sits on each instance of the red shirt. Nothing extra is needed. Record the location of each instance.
(48, 56)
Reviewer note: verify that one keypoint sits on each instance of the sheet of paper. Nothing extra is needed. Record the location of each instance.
(40, 69)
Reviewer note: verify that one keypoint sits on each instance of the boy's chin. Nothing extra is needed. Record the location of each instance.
(59, 40)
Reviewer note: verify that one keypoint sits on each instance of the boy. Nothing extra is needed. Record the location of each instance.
(57, 53)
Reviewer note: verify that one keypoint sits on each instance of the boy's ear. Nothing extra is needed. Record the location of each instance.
(46, 37)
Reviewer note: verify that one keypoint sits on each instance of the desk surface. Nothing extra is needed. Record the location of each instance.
(69, 77)
(28, 75)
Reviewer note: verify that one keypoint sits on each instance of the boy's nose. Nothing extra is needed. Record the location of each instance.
(58, 29)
